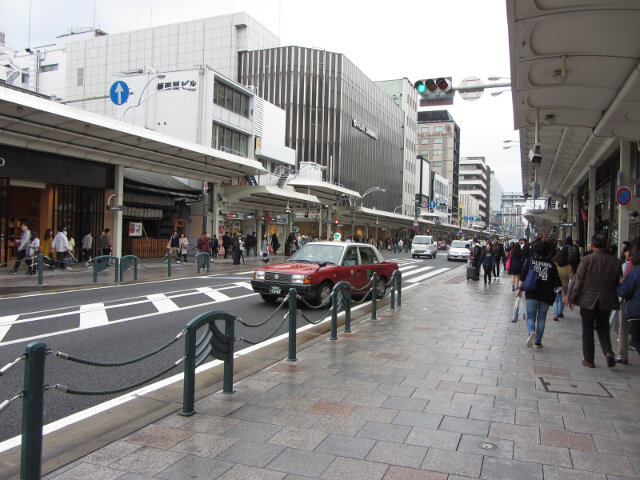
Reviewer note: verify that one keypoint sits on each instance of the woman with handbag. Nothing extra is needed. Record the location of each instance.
(183, 247)
(540, 280)
(514, 265)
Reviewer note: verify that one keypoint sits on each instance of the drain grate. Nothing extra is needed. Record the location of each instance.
(575, 387)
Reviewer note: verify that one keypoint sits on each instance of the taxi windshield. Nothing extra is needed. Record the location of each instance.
(318, 253)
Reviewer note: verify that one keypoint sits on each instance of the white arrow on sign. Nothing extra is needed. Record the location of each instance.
(119, 91)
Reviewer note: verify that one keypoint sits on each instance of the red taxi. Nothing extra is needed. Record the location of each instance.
(318, 266)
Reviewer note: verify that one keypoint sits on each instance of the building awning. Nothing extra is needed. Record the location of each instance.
(323, 190)
(29, 121)
(543, 220)
(266, 196)
(575, 70)
(160, 180)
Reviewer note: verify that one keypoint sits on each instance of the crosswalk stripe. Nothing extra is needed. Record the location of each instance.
(246, 285)
(427, 275)
(216, 295)
(404, 268)
(93, 315)
(162, 303)
(413, 272)
(6, 323)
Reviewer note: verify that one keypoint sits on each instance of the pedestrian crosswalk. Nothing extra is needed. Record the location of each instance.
(413, 270)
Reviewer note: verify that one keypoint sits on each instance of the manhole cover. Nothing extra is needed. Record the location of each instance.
(488, 446)
(575, 387)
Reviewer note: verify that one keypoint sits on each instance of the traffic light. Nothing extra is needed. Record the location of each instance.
(335, 222)
(435, 91)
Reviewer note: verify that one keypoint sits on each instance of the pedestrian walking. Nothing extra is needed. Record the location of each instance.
(514, 264)
(226, 243)
(104, 242)
(32, 254)
(629, 290)
(275, 243)
(566, 273)
(488, 262)
(214, 246)
(45, 243)
(499, 254)
(87, 244)
(594, 290)
(61, 246)
(183, 247)
(174, 246)
(22, 246)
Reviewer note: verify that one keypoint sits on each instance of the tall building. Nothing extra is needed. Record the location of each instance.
(513, 204)
(475, 180)
(495, 201)
(439, 142)
(336, 117)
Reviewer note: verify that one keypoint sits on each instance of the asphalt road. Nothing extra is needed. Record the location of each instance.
(113, 324)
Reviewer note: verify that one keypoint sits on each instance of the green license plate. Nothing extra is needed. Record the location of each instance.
(275, 290)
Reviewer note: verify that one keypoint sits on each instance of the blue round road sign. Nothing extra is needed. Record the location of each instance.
(119, 92)
(623, 196)
(432, 204)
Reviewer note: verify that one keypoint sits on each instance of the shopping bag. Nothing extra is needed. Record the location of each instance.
(516, 310)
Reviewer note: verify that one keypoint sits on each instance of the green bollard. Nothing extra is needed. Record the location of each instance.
(393, 291)
(334, 314)
(32, 411)
(40, 268)
(374, 296)
(293, 322)
(399, 280)
(169, 263)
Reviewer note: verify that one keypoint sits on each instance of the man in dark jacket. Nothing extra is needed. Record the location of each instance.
(226, 243)
(476, 252)
(498, 248)
(594, 290)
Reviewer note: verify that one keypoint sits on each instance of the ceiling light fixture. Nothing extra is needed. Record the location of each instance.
(560, 76)
(549, 119)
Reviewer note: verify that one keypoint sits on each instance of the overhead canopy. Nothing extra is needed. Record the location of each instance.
(153, 179)
(323, 190)
(575, 67)
(543, 220)
(266, 196)
(32, 122)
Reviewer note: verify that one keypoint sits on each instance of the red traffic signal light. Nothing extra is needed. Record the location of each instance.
(335, 222)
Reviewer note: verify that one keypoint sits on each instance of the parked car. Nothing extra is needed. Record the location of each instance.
(459, 250)
(317, 267)
(423, 245)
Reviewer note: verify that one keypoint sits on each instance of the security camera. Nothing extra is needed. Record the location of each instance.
(535, 155)
(287, 210)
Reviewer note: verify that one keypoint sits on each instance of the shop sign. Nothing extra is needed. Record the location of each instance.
(115, 208)
(357, 124)
(135, 229)
(177, 85)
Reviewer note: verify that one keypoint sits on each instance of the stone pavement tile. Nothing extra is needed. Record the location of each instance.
(506, 392)
(446, 376)
(619, 446)
(384, 431)
(555, 372)
(244, 472)
(472, 444)
(505, 469)
(405, 473)
(360, 386)
(584, 400)
(473, 399)
(402, 403)
(366, 399)
(295, 438)
(503, 415)
(335, 409)
(514, 432)
(602, 414)
(457, 386)
(344, 426)
(256, 397)
(561, 438)
(110, 453)
(291, 390)
(433, 438)
(582, 425)
(563, 409)
(257, 431)
(134, 476)
(547, 455)
(204, 445)
(295, 419)
(416, 419)
(175, 421)
(88, 470)
(255, 384)
(217, 405)
(517, 404)
(345, 446)
(538, 420)
(421, 383)
(147, 461)
(558, 473)
(352, 469)
(449, 409)
(432, 395)
(457, 463)
(324, 382)
(300, 462)
(602, 463)
(255, 413)
(210, 424)
(249, 453)
(395, 390)
(158, 437)
(535, 394)
(397, 454)
(293, 403)
(374, 413)
(328, 394)
(195, 467)
(384, 379)
(465, 425)
(627, 429)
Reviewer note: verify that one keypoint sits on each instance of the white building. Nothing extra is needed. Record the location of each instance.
(475, 181)
(495, 200)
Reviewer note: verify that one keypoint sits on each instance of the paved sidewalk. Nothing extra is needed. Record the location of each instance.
(443, 388)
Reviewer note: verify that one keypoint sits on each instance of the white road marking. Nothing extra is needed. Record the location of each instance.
(406, 267)
(246, 285)
(214, 294)
(93, 315)
(427, 275)
(6, 323)
(413, 272)
(162, 303)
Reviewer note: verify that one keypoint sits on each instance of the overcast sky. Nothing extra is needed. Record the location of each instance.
(385, 39)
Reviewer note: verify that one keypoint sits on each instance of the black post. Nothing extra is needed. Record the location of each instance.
(293, 321)
(229, 332)
(347, 308)
(374, 296)
(40, 268)
(32, 411)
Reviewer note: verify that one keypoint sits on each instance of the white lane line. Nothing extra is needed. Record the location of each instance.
(6, 323)
(246, 285)
(115, 322)
(214, 294)
(413, 272)
(427, 275)
(163, 303)
(93, 315)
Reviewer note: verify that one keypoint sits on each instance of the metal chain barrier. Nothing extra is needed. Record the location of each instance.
(364, 287)
(250, 325)
(71, 391)
(316, 307)
(249, 342)
(363, 299)
(68, 357)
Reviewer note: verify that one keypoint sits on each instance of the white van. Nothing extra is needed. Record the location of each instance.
(423, 245)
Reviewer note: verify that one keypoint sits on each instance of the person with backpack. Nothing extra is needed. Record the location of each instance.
(540, 281)
(594, 290)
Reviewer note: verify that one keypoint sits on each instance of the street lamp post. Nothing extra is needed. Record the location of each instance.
(367, 192)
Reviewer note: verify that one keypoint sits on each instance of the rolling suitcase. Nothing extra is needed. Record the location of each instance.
(473, 273)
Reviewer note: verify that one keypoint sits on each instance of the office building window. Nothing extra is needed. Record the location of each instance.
(437, 140)
(437, 129)
(424, 129)
(231, 141)
(230, 98)
(425, 153)
(49, 68)
(437, 164)
(437, 152)
(80, 78)
(424, 141)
